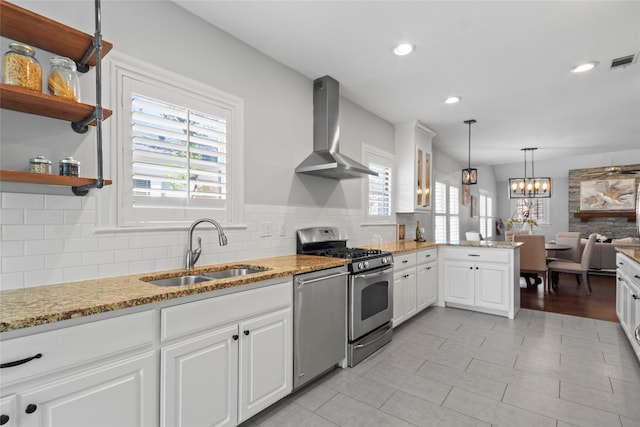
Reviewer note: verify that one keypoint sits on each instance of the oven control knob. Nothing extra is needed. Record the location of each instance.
(366, 264)
(360, 265)
(385, 260)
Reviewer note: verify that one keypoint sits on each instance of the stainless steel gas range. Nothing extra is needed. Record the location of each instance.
(370, 288)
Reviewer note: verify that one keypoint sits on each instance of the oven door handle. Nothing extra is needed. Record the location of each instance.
(302, 282)
(378, 273)
(375, 340)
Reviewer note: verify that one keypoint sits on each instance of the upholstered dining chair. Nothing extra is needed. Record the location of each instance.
(569, 238)
(573, 267)
(533, 257)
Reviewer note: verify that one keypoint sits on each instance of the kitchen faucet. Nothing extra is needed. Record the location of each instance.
(192, 256)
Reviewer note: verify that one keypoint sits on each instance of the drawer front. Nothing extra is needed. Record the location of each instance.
(62, 348)
(197, 316)
(402, 261)
(624, 264)
(429, 255)
(477, 254)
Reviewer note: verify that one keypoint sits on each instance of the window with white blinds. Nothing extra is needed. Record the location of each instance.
(181, 147)
(486, 216)
(454, 217)
(440, 211)
(379, 189)
(176, 152)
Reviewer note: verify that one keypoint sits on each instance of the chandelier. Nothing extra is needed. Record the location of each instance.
(529, 187)
(469, 175)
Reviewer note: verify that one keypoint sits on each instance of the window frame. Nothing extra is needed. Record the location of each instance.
(125, 73)
(546, 206)
(448, 214)
(386, 159)
(489, 219)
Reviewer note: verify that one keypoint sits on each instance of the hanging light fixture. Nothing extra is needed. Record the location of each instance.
(529, 187)
(469, 175)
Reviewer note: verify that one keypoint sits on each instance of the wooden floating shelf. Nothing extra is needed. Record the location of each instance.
(586, 216)
(29, 101)
(47, 179)
(36, 30)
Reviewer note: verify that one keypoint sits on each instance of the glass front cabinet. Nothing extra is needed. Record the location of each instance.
(413, 144)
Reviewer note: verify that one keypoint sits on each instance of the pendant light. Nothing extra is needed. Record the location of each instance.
(469, 175)
(529, 187)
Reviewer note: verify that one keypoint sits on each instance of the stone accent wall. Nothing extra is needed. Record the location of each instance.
(615, 228)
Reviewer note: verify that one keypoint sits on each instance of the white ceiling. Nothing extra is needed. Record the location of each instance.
(509, 61)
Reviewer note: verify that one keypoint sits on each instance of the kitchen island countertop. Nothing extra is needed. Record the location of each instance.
(33, 306)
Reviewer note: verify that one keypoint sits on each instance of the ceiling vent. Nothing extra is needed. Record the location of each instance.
(623, 61)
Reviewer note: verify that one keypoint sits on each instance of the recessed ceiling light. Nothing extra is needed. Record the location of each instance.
(584, 67)
(452, 100)
(403, 49)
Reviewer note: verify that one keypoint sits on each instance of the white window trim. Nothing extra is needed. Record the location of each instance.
(119, 65)
(367, 151)
(493, 212)
(448, 183)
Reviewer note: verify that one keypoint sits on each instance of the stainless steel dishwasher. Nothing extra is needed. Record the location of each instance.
(319, 323)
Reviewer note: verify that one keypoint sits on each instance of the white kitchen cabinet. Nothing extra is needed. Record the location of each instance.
(404, 288)
(234, 357)
(426, 278)
(628, 298)
(117, 394)
(200, 380)
(100, 373)
(413, 146)
(481, 279)
(266, 370)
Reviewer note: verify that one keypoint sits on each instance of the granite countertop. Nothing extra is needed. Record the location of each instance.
(400, 246)
(22, 308)
(633, 253)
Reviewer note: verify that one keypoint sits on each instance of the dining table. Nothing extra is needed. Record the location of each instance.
(556, 247)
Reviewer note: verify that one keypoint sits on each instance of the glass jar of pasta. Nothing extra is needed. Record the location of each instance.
(63, 78)
(21, 68)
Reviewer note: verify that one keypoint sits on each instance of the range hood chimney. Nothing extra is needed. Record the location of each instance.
(326, 160)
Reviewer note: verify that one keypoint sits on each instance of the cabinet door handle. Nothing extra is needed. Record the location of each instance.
(427, 255)
(246, 332)
(20, 362)
(404, 261)
(235, 337)
(636, 276)
(406, 275)
(635, 296)
(477, 268)
(473, 254)
(31, 408)
(428, 268)
(4, 418)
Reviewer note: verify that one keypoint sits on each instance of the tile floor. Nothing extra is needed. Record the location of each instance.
(451, 367)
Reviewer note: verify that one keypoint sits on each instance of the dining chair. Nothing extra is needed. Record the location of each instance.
(572, 267)
(533, 257)
(569, 238)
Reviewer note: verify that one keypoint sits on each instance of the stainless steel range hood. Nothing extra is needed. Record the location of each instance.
(326, 160)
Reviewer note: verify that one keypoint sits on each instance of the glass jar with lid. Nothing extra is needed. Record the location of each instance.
(63, 78)
(21, 68)
(40, 164)
(69, 167)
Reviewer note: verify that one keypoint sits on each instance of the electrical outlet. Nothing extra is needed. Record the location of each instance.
(265, 228)
(283, 228)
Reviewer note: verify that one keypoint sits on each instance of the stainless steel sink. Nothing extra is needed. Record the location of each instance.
(180, 280)
(191, 279)
(233, 272)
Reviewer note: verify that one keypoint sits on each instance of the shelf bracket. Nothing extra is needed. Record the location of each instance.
(82, 65)
(83, 125)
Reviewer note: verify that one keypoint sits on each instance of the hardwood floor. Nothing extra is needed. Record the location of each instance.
(570, 298)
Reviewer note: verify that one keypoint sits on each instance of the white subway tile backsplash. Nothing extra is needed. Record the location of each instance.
(12, 248)
(11, 281)
(61, 234)
(62, 202)
(23, 232)
(74, 274)
(43, 277)
(22, 263)
(43, 247)
(39, 216)
(97, 258)
(61, 231)
(12, 216)
(22, 201)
